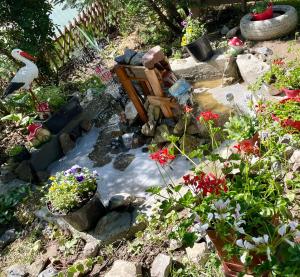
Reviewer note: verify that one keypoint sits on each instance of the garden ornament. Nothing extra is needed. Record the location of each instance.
(25, 76)
(43, 110)
(37, 134)
(236, 46)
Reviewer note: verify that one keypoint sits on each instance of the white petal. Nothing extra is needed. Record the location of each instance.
(240, 230)
(249, 245)
(217, 216)
(258, 240)
(204, 227)
(240, 243)
(290, 242)
(266, 238)
(240, 222)
(293, 225)
(244, 257)
(210, 216)
(282, 230)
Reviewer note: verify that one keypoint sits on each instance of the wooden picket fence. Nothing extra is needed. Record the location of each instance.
(92, 19)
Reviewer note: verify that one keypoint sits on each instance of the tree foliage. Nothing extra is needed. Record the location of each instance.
(25, 24)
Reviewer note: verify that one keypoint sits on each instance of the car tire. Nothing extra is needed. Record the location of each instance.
(270, 28)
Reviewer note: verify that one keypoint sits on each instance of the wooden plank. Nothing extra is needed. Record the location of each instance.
(154, 82)
(164, 103)
(129, 88)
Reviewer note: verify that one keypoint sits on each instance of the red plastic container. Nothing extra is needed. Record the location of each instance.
(288, 122)
(291, 93)
(267, 14)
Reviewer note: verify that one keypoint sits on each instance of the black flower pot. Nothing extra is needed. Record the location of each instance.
(62, 117)
(86, 217)
(200, 49)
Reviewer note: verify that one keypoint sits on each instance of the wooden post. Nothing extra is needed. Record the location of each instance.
(125, 81)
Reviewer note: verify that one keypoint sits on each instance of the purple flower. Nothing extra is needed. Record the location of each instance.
(74, 169)
(80, 178)
(184, 23)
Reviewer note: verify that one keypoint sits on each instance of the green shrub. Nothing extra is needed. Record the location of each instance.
(15, 150)
(70, 188)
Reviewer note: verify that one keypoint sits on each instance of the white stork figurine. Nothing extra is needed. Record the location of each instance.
(25, 76)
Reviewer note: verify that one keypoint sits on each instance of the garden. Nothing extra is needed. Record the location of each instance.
(150, 138)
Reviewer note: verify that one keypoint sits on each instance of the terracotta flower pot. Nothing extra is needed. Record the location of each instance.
(233, 266)
(267, 14)
(291, 93)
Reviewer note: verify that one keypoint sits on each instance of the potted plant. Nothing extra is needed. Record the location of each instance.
(18, 153)
(73, 196)
(262, 10)
(195, 39)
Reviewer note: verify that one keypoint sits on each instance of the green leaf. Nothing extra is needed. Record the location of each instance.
(189, 239)
(154, 190)
(177, 188)
(187, 200)
(80, 267)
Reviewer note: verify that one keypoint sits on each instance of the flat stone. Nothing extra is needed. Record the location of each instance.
(91, 249)
(295, 157)
(161, 266)
(251, 68)
(117, 225)
(161, 134)
(122, 161)
(120, 200)
(86, 125)
(198, 253)
(17, 270)
(8, 237)
(125, 269)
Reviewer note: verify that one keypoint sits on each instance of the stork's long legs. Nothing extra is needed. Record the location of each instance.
(34, 98)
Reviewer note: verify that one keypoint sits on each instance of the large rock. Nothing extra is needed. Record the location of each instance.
(198, 253)
(37, 267)
(117, 225)
(161, 266)
(231, 74)
(161, 134)
(24, 171)
(189, 143)
(17, 270)
(67, 144)
(148, 129)
(8, 237)
(251, 68)
(125, 269)
(120, 200)
(50, 271)
(122, 161)
(91, 249)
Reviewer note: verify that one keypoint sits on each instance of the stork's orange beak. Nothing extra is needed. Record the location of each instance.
(27, 56)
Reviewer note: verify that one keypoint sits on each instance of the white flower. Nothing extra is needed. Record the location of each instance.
(240, 230)
(249, 245)
(221, 205)
(240, 243)
(282, 230)
(266, 238)
(201, 228)
(221, 216)
(210, 216)
(290, 242)
(293, 225)
(244, 257)
(269, 253)
(258, 240)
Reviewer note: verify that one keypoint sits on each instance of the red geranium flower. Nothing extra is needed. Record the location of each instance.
(247, 147)
(206, 183)
(208, 116)
(162, 156)
(188, 109)
(278, 61)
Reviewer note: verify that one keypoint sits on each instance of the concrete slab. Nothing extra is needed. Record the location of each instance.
(194, 71)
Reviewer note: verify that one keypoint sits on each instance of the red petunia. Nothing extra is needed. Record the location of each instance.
(206, 183)
(208, 116)
(188, 109)
(247, 147)
(162, 156)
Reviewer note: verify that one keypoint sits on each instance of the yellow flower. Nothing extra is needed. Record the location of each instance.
(52, 178)
(189, 30)
(183, 41)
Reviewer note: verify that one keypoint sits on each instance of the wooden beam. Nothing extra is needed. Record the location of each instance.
(132, 94)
